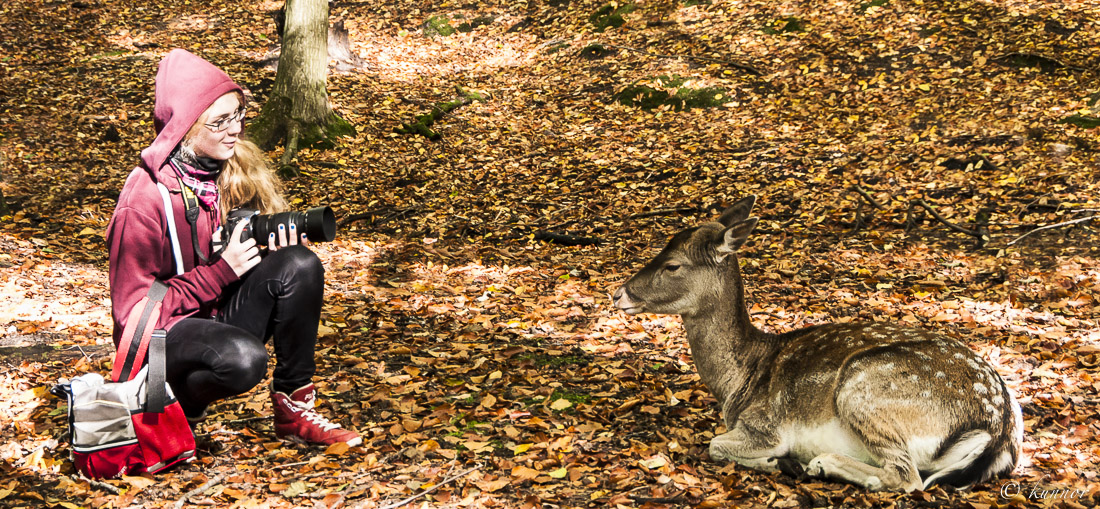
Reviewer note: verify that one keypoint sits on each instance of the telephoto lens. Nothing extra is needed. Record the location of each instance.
(318, 223)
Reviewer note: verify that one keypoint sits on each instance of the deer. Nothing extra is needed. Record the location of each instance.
(874, 404)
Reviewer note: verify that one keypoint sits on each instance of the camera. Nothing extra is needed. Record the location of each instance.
(318, 223)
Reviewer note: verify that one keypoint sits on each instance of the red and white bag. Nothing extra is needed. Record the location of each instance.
(134, 424)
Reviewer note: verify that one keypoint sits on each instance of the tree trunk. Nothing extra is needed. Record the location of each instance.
(297, 112)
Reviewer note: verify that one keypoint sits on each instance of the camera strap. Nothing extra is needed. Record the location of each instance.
(191, 203)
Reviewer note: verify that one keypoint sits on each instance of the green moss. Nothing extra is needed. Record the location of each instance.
(672, 81)
(708, 97)
(438, 26)
(1084, 121)
(324, 137)
(786, 25)
(873, 3)
(671, 91)
(572, 397)
(556, 47)
(610, 16)
(479, 21)
(642, 95)
(269, 127)
(422, 125)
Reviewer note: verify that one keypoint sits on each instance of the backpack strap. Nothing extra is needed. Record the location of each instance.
(155, 395)
(132, 349)
(140, 339)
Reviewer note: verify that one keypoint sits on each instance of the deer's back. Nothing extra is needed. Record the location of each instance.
(926, 382)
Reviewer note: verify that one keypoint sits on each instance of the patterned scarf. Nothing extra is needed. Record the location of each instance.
(200, 174)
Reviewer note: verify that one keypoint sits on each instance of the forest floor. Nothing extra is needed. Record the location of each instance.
(477, 353)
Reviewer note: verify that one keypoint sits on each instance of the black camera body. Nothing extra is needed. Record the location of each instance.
(318, 223)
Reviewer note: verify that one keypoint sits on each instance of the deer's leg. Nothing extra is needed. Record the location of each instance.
(881, 418)
(897, 473)
(748, 447)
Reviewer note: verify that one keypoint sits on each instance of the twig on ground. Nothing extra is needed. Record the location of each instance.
(674, 499)
(288, 465)
(662, 212)
(109, 488)
(249, 419)
(391, 214)
(859, 223)
(197, 491)
(867, 196)
(82, 352)
(925, 206)
(565, 239)
(1052, 226)
(444, 482)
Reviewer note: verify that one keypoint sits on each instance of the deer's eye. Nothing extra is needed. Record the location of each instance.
(672, 267)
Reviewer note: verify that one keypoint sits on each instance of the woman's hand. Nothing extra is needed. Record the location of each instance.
(282, 240)
(241, 256)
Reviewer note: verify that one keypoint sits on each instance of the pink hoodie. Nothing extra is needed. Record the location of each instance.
(137, 237)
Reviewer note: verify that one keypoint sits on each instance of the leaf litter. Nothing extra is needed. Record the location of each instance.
(486, 368)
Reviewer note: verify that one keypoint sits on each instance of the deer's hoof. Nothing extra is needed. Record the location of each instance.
(816, 467)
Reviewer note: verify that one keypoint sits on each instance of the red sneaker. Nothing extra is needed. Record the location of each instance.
(296, 419)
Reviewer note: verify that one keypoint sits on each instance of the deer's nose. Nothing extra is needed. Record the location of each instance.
(618, 294)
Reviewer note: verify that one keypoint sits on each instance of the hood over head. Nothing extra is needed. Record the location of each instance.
(186, 85)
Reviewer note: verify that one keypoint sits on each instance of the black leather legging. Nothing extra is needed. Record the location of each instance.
(280, 298)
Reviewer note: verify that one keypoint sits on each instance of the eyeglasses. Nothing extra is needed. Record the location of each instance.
(223, 124)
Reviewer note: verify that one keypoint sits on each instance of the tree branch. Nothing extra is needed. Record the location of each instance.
(859, 208)
(566, 239)
(429, 490)
(209, 484)
(1052, 226)
(662, 212)
(391, 214)
(109, 488)
(979, 234)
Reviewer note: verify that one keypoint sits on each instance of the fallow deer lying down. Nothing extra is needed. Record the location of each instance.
(878, 405)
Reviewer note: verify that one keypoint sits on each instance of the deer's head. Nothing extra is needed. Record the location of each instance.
(691, 271)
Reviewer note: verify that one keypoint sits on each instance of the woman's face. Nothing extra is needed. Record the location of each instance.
(220, 115)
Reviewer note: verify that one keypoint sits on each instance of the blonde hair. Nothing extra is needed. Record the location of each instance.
(246, 180)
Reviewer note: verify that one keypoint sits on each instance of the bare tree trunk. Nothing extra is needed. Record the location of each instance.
(298, 112)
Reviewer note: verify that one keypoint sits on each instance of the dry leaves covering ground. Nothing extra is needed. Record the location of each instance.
(486, 368)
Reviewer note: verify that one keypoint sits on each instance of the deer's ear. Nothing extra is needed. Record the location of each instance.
(738, 212)
(734, 236)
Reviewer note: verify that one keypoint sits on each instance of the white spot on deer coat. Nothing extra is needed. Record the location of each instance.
(979, 388)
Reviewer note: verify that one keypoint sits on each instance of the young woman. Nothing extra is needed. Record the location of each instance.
(221, 307)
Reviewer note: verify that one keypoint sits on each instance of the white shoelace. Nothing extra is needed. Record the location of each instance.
(312, 416)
